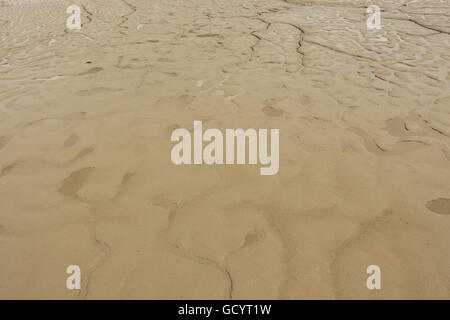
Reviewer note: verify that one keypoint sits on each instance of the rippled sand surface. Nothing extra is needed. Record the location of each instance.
(85, 170)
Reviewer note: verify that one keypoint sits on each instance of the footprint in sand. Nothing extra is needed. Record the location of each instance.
(70, 141)
(82, 153)
(305, 100)
(272, 112)
(4, 141)
(253, 237)
(75, 116)
(169, 129)
(7, 169)
(74, 182)
(271, 102)
(186, 98)
(397, 127)
(91, 71)
(441, 206)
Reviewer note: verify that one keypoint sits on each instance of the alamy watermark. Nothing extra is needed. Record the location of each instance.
(73, 22)
(374, 281)
(214, 152)
(374, 20)
(73, 282)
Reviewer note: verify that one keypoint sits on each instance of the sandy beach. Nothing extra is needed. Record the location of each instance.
(86, 177)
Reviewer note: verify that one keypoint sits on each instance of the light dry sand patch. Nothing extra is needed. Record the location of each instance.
(85, 170)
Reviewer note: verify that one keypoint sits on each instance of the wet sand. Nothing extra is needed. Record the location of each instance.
(85, 170)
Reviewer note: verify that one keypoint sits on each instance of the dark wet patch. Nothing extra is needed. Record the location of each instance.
(271, 102)
(306, 100)
(74, 182)
(173, 74)
(91, 71)
(441, 206)
(70, 141)
(186, 98)
(7, 169)
(168, 130)
(397, 127)
(253, 237)
(4, 141)
(75, 116)
(126, 181)
(83, 153)
(272, 112)
(208, 35)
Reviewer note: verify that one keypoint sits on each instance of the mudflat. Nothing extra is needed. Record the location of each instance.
(86, 178)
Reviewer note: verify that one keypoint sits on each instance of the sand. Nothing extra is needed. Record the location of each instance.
(85, 171)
